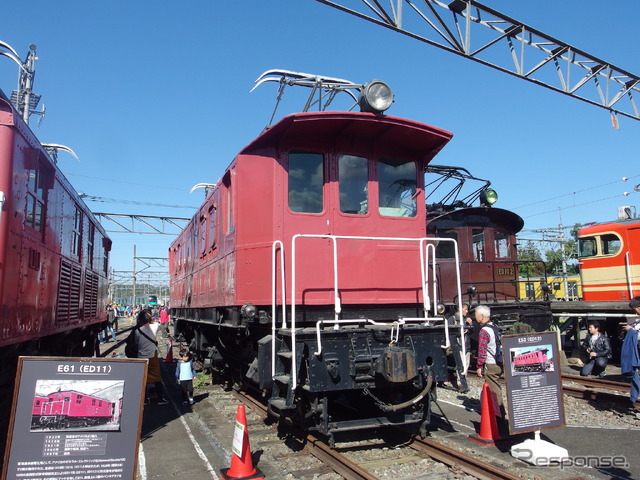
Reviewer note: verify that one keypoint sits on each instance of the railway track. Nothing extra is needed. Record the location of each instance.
(596, 389)
(333, 459)
(406, 448)
(461, 462)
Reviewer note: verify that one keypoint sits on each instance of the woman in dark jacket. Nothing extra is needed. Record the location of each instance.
(148, 348)
(598, 350)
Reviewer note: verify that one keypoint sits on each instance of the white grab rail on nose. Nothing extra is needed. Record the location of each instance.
(426, 247)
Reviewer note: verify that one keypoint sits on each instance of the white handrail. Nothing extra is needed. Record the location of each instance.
(627, 266)
(337, 303)
(274, 286)
(354, 320)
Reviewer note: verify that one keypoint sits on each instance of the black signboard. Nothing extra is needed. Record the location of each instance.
(534, 384)
(75, 418)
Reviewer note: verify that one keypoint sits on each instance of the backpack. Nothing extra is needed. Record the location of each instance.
(498, 356)
(131, 346)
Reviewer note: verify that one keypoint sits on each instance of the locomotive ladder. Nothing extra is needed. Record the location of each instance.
(427, 248)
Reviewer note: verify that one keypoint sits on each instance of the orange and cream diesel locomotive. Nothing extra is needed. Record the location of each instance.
(609, 255)
(307, 273)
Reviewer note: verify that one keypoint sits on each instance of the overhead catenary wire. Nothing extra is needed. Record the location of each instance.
(575, 192)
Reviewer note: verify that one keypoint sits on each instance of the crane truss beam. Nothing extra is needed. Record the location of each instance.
(475, 31)
(143, 224)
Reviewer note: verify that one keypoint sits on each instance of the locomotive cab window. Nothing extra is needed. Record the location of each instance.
(36, 198)
(587, 247)
(76, 233)
(478, 244)
(610, 244)
(212, 227)
(306, 182)
(501, 243)
(227, 185)
(203, 236)
(397, 188)
(353, 175)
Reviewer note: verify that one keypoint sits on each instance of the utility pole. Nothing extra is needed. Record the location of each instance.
(134, 275)
(557, 235)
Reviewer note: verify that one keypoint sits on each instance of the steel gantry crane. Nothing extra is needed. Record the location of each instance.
(475, 31)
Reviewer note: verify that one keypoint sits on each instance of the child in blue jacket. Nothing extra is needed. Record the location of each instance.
(185, 373)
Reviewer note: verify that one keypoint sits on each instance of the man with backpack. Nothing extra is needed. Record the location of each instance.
(490, 361)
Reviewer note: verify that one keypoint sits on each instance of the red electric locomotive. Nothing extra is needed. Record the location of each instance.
(53, 252)
(70, 409)
(307, 274)
(536, 361)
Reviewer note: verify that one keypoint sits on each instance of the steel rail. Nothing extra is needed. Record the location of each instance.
(468, 464)
(597, 383)
(441, 453)
(314, 446)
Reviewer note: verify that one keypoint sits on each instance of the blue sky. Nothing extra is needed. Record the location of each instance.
(154, 98)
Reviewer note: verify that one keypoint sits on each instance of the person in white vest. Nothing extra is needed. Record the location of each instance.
(490, 361)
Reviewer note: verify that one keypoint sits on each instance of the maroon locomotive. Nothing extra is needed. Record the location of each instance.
(536, 361)
(53, 252)
(306, 273)
(486, 238)
(71, 409)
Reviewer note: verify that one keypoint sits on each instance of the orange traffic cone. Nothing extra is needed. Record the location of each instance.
(241, 462)
(489, 434)
(169, 357)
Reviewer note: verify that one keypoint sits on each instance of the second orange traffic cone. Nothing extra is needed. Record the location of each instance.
(489, 434)
(241, 463)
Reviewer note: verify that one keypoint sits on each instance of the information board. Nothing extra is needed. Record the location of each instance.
(75, 418)
(534, 382)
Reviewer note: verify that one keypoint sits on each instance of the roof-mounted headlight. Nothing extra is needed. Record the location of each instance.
(488, 197)
(375, 97)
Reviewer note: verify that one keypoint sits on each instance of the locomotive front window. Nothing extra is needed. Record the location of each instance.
(587, 247)
(478, 244)
(397, 188)
(306, 182)
(501, 242)
(446, 249)
(610, 244)
(353, 175)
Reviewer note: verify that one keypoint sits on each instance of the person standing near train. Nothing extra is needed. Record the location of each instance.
(598, 349)
(185, 373)
(630, 354)
(490, 361)
(145, 338)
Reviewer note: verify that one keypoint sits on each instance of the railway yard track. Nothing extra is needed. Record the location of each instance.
(596, 389)
(406, 449)
(389, 454)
